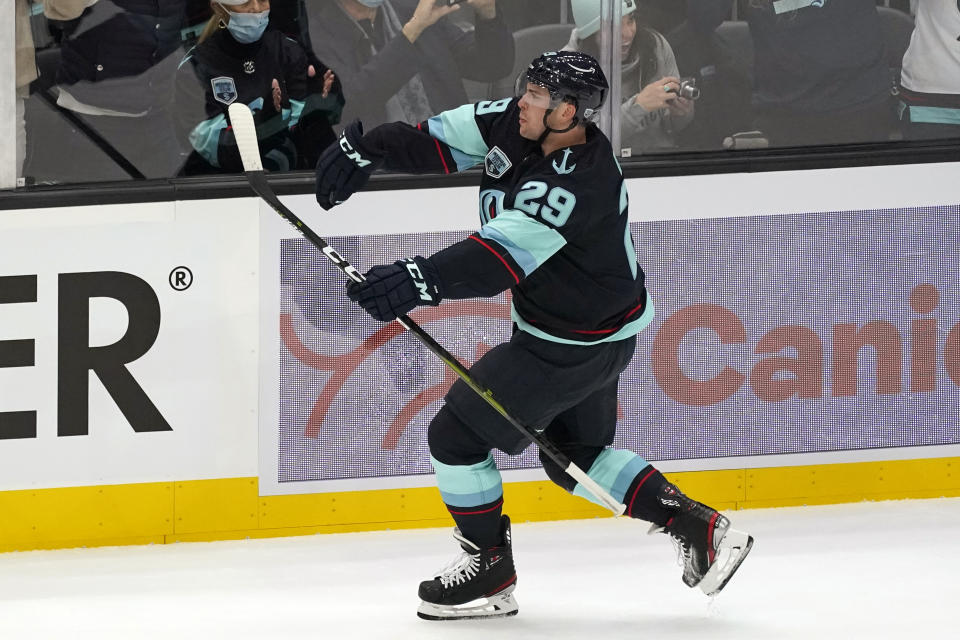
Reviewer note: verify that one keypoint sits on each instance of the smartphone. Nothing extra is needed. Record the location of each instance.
(450, 3)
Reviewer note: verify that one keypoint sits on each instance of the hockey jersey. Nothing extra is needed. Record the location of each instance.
(554, 229)
(229, 71)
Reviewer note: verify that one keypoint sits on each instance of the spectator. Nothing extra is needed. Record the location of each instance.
(930, 77)
(651, 113)
(26, 73)
(820, 76)
(402, 60)
(117, 68)
(722, 72)
(237, 58)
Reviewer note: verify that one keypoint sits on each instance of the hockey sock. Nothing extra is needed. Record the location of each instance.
(481, 524)
(631, 480)
(644, 497)
(474, 497)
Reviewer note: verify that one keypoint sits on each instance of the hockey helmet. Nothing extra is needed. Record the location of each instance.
(586, 13)
(570, 76)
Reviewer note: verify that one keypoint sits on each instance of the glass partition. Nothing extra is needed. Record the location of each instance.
(790, 73)
(132, 89)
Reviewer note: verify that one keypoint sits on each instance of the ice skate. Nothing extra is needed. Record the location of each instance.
(478, 584)
(710, 550)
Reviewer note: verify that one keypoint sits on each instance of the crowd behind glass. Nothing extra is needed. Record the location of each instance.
(121, 89)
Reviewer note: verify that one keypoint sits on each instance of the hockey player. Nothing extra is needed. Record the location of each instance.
(553, 210)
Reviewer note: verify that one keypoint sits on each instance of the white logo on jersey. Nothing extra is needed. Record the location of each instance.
(496, 163)
(562, 168)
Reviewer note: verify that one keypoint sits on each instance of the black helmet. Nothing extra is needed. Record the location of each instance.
(569, 75)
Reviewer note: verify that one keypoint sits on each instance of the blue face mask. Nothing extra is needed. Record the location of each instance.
(373, 4)
(247, 27)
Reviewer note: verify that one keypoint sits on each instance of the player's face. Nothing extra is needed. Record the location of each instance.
(533, 105)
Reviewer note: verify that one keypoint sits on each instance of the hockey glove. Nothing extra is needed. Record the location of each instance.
(345, 167)
(393, 290)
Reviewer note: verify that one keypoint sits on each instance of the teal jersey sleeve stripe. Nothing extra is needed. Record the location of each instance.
(935, 115)
(529, 242)
(630, 329)
(468, 485)
(614, 470)
(296, 110)
(458, 129)
(205, 138)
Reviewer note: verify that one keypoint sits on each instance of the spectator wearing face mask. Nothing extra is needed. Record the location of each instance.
(238, 59)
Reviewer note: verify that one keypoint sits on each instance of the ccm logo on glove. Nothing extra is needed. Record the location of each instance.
(352, 153)
(393, 290)
(419, 280)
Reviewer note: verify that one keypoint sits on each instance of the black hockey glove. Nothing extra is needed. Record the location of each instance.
(345, 167)
(393, 290)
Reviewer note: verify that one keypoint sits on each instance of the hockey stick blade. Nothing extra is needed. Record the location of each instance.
(246, 136)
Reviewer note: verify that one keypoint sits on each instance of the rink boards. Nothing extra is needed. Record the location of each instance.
(192, 370)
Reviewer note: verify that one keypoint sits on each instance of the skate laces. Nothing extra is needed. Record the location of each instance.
(680, 546)
(684, 553)
(462, 568)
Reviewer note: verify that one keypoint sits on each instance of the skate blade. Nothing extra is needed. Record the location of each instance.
(733, 550)
(500, 605)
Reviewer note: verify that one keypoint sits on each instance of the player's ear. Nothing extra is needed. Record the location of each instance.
(569, 110)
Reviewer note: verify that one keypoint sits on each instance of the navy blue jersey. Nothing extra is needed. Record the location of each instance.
(554, 229)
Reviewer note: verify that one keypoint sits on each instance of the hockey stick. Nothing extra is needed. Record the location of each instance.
(101, 143)
(245, 132)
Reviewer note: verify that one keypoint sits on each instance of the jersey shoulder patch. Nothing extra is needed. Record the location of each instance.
(224, 89)
(496, 163)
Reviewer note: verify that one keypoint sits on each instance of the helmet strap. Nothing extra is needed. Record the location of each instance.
(547, 130)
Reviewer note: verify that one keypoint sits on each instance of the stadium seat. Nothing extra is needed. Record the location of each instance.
(736, 38)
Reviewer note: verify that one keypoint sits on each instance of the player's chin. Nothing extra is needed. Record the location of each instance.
(528, 132)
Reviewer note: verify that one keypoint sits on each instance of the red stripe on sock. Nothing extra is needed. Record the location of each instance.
(499, 257)
(474, 513)
(637, 490)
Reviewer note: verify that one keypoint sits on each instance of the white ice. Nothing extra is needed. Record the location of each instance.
(866, 570)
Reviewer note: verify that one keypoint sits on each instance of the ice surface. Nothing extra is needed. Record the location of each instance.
(866, 570)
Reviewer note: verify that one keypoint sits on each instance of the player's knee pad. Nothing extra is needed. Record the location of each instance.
(453, 442)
